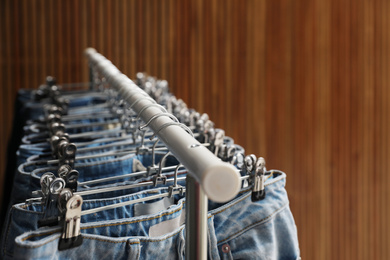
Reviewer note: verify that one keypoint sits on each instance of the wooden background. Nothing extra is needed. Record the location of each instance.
(303, 83)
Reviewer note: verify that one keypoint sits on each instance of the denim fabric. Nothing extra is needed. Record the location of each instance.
(239, 229)
(24, 217)
(43, 149)
(27, 150)
(76, 126)
(27, 180)
(106, 168)
(34, 109)
(260, 230)
(94, 132)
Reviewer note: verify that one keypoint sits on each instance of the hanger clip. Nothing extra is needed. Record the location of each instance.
(217, 140)
(51, 187)
(67, 153)
(71, 234)
(258, 192)
(172, 189)
(69, 175)
(159, 178)
(44, 90)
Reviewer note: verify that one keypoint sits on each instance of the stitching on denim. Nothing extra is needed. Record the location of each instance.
(222, 210)
(31, 247)
(93, 238)
(137, 221)
(139, 252)
(159, 240)
(110, 241)
(209, 242)
(274, 181)
(134, 221)
(120, 159)
(257, 222)
(39, 235)
(31, 211)
(141, 239)
(107, 225)
(126, 197)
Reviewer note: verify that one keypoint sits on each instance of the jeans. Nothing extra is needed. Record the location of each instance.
(27, 180)
(34, 109)
(239, 229)
(24, 217)
(43, 149)
(94, 133)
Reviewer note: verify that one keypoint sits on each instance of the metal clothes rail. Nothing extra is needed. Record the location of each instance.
(208, 175)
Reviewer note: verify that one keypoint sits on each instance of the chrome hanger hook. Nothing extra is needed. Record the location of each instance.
(172, 123)
(148, 106)
(159, 176)
(154, 151)
(141, 99)
(157, 116)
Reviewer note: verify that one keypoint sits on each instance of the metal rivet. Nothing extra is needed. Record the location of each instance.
(225, 248)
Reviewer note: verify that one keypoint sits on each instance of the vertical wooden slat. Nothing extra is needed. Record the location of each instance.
(384, 151)
(40, 59)
(367, 114)
(67, 27)
(162, 38)
(228, 69)
(377, 113)
(355, 104)
(32, 42)
(77, 67)
(50, 35)
(155, 39)
(84, 35)
(132, 54)
(323, 150)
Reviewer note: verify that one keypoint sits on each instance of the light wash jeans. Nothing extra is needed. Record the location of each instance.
(239, 229)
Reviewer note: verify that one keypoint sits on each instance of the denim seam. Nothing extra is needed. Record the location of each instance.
(139, 252)
(165, 214)
(25, 206)
(43, 234)
(222, 210)
(27, 246)
(209, 242)
(108, 225)
(135, 221)
(241, 199)
(92, 164)
(129, 197)
(159, 240)
(92, 238)
(114, 242)
(141, 239)
(260, 222)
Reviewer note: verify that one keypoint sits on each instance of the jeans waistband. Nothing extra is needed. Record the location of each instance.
(24, 217)
(228, 223)
(26, 182)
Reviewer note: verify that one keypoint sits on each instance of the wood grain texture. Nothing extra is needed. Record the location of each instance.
(303, 83)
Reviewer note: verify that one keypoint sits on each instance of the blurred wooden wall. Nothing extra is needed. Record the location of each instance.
(303, 83)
